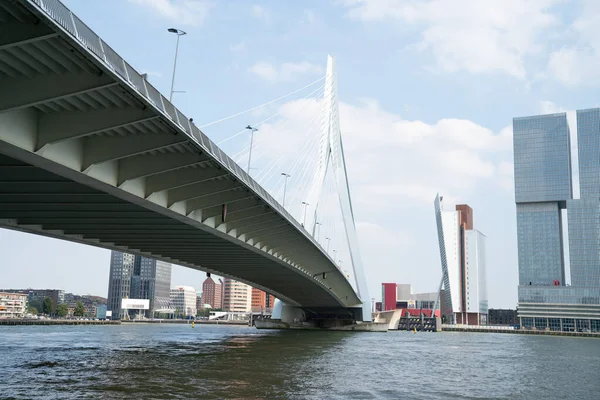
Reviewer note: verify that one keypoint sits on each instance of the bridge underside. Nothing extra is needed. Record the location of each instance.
(37, 201)
(91, 152)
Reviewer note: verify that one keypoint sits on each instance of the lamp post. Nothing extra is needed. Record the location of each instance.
(318, 229)
(334, 253)
(305, 204)
(328, 241)
(286, 176)
(252, 130)
(179, 33)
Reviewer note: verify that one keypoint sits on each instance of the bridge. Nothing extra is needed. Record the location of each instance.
(91, 152)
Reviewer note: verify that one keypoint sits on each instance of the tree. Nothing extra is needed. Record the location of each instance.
(62, 310)
(79, 309)
(34, 305)
(48, 306)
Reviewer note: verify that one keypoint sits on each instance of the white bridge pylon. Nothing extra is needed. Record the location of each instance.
(331, 155)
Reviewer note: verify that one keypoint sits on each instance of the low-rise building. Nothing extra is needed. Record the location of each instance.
(497, 316)
(183, 300)
(36, 297)
(13, 305)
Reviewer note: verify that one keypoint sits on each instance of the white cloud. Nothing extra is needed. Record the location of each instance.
(238, 47)
(506, 175)
(472, 35)
(310, 17)
(184, 12)
(286, 72)
(579, 62)
(261, 12)
(549, 107)
(391, 158)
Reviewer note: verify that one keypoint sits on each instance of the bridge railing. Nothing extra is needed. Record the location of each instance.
(59, 13)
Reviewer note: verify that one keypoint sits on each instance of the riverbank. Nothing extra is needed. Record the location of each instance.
(185, 321)
(484, 329)
(30, 321)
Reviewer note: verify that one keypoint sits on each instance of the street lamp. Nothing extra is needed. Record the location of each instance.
(305, 204)
(252, 130)
(179, 33)
(334, 252)
(286, 176)
(328, 241)
(318, 229)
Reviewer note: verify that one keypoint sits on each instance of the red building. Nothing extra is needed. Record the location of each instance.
(261, 301)
(212, 293)
(388, 296)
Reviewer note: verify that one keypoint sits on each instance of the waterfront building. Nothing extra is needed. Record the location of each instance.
(183, 300)
(261, 301)
(101, 311)
(138, 277)
(151, 279)
(199, 304)
(463, 259)
(498, 316)
(212, 293)
(543, 195)
(388, 296)
(35, 297)
(119, 281)
(237, 296)
(397, 296)
(13, 305)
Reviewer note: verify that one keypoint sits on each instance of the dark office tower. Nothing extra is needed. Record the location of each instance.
(138, 277)
(119, 282)
(543, 188)
(151, 280)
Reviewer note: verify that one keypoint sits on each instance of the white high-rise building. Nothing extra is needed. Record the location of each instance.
(183, 299)
(462, 251)
(237, 296)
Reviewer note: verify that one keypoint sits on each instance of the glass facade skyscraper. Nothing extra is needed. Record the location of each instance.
(138, 277)
(543, 189)
(542, 151)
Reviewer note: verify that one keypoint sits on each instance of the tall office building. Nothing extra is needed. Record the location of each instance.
(119, 281)
(212, 293)
(151, 280)
(138, 277)
(462, 252)
(543, 189)
(237, 296)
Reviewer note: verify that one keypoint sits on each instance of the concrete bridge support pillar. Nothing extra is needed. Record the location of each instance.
(288, 314)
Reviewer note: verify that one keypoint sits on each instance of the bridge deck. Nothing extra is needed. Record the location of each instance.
(93, 153)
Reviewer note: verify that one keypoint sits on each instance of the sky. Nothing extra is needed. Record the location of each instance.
(427, 93)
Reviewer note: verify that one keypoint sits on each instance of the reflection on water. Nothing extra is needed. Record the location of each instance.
(212, 362)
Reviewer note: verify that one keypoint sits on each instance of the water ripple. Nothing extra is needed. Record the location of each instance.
(208, 362)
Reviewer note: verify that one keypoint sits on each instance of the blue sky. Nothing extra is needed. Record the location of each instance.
(427, 91)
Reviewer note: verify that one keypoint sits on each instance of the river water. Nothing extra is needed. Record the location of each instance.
(150, 361)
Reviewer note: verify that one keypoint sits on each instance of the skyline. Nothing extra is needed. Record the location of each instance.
(470, 160)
